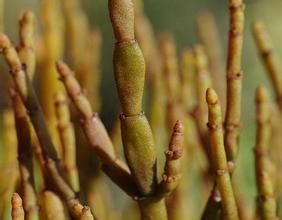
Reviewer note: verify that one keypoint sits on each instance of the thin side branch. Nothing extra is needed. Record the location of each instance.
(173, 165)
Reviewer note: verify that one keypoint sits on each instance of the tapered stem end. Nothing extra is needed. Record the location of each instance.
(235, 2)
(62, 68)
(16, 200)
(211, 97)
(4, 41)
(26, 17)
(258, 26)
(17, 207)
(178, 127)
(261, 94)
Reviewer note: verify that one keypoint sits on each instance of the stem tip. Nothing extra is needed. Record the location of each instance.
(211, 97)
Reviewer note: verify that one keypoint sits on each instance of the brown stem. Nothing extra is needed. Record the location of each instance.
(234, 79)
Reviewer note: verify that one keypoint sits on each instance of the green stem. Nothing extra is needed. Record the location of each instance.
(152, 209)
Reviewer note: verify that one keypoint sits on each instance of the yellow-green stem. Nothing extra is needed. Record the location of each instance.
(152, 209)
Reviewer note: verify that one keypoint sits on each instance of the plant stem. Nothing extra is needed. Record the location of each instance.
(26, 47)
(136, 132)
(17, 207)
(152, 209)
(129, 68)
(53, 47)
(234, 80)
(203, 82)
(208, 33)
(170, 67)
(270, 60)
(266, 203)
(67, 137)
(96, 133)
(173, 165)
(52, 206)
(29, 99)
(25, 159)
(220, 166)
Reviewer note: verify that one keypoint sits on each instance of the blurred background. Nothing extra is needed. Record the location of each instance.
(178, 17)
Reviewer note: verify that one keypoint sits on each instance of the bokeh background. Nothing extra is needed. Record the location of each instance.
(178, 17)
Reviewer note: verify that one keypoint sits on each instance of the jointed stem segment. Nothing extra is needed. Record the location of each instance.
(137, 136)
(234, 79)
(67, 137)
(96, 133)
(129, 69)
(266, 202)
(219, 161)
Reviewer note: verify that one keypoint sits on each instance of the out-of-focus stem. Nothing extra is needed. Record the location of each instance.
(67, 137)
(219, 161)
(153, 208)
(89, 70)
(266, 202)
(9, 163)
(76, 26)
(84, 50)
(26, 47)
(2, 6)
(170, 67)
(273, 67)
(9, 137)
(203, 82)
(25, 158)
(188, 76)
(208, 33)
(53, 45)
(269, 58)
(52, 207)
